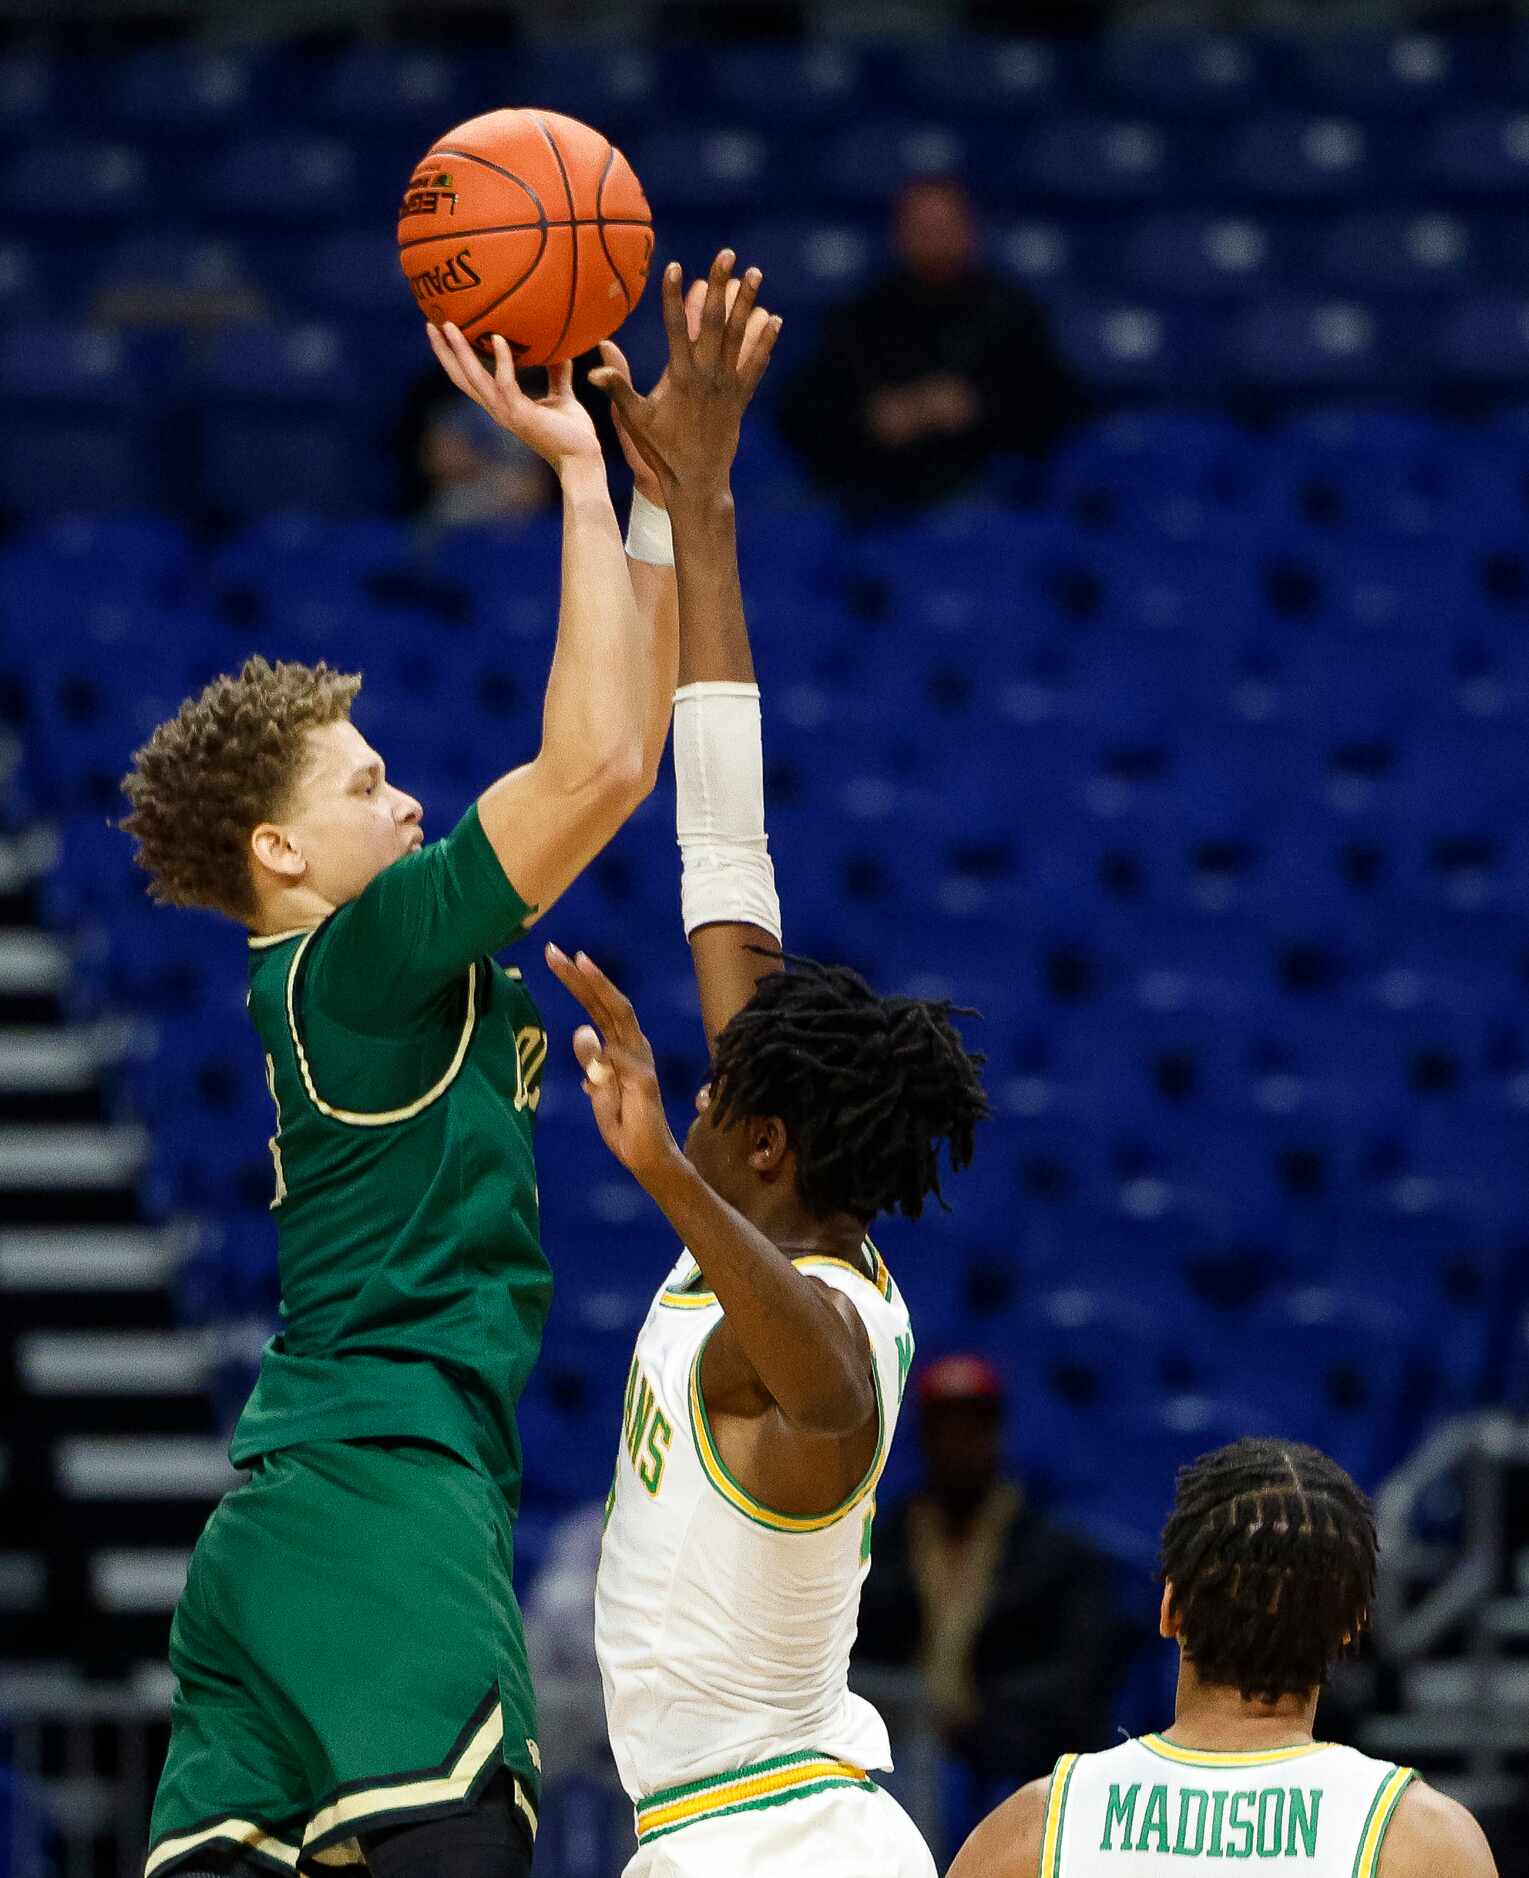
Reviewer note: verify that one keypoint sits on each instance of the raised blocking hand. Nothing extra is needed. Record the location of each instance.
(619, 1074)
(720, 340)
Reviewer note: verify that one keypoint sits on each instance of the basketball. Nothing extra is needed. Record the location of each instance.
(528, 224)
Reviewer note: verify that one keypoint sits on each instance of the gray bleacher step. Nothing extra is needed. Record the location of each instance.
(70, 1155)
(127, 1582)
(143, 1467)
(1507, 1619)
(1453, 1730)
(23, 1583)
(31, 964)
(1459, 1683)
(26, 857)
(40, 1059)
(106, 1258)
(115, 1362)
(58, 1687)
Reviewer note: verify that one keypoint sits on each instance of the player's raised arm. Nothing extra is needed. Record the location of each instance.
(547, 820)
(686, 436)
(801, 1345)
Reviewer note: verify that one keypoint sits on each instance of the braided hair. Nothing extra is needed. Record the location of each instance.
(867, 1087)
(1270, 1550)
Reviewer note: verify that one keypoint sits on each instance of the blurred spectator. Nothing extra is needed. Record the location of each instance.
(1012, 1621)
(458, 467)
(936, 366)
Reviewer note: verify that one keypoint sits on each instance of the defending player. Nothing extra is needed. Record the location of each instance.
(1269, 1570)
(766, 1382)
(351, 1676)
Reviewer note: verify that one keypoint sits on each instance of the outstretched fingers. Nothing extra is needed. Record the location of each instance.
(739, 311)
(757, 358)
(672, 300)
(708, 345)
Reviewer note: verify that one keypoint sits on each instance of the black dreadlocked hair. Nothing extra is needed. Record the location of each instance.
(867, 1087)
(1270, 1550)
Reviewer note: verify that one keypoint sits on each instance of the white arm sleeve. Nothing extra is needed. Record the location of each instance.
(727, 875)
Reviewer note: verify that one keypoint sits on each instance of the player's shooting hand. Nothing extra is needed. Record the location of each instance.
(619, 1074)
(720, 340)
(557, 427)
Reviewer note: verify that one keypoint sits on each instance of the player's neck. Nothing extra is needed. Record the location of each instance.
(291, 910)
(1215, 1718)
(799, 1234)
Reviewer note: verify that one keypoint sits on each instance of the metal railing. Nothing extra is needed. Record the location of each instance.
(90, 1755)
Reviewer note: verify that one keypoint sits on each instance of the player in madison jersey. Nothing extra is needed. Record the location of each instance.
(766, 1382)
(1269, 1573)
(351, 1681)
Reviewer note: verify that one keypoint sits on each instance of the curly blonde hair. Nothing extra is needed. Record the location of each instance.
(227, 761)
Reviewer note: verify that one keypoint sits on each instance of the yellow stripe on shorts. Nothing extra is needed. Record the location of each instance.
(769, 1783)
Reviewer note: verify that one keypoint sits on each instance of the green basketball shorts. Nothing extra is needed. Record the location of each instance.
(348, 1655)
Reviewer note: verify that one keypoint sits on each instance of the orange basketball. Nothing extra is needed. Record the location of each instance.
(528, 224)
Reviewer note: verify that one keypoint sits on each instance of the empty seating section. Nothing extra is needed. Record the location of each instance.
(1204, 781)
(1233, 219)
(1195, 760)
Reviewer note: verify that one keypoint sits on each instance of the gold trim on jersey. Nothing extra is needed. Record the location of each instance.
(259, 941)
(1378, 1820)
(434, 1790)
(1056, 1813)
(738, 1496)
(769, 1783)
(376, 1118)
(243, 1833)
(1229, 1757)
(703, 1300)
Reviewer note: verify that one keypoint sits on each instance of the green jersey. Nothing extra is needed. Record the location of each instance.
(405, 1067)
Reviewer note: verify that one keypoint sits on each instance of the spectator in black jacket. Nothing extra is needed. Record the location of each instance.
(1012, 1620)
(937, 366)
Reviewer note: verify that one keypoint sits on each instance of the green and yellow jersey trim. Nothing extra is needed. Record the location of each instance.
(1378, 1820)
(252, 1840)
(748, 1790)
(1231, 1757)
(1056, 1815)
(376, 1118)
(687, 1300)
(738, 1496)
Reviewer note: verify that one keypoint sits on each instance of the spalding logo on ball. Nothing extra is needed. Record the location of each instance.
(528, 224)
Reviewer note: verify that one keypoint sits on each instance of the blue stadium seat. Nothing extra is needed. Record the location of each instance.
(24, 291)
(1412, 72)
(285, 412)
(28, 94)
(809, 263)
(1304, 158)
(713, 168)
(262, 181)
(1322, 344)
(1193, 75)
(1400, 252)
(992, 79)
(617, 88)
(1485, 340)
(829, 82)
(1483, 151)
(1215, 256)
(1124, 159)
(168, 97)
(75, 187)
(80, 432)
(1134, 347)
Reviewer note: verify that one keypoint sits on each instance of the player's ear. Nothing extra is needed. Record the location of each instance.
(768, 1143)
(1168, 1624)
(274, 850)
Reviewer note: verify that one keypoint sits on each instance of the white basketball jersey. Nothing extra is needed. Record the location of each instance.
(723, 1628)
(1149, 1808)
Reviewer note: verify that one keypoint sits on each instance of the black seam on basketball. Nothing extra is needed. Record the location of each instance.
(573, 242)
(466, 156)
(514, 287)
(521, 228)
(605, 247)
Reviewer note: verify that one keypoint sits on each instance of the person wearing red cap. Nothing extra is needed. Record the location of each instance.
(1011, 1621)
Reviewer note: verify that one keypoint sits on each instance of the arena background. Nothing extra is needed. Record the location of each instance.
(1194, 758)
